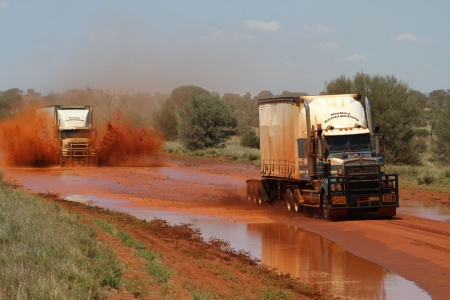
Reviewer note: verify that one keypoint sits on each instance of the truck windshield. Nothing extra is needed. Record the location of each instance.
(348, 143)
(75, 133)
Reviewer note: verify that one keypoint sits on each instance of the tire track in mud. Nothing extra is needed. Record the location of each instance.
(413, 227)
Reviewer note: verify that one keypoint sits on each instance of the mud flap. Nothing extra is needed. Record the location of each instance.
(387, 211)
(339, 214)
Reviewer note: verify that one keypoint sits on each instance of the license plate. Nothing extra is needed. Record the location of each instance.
(338, 200)
(389, 198)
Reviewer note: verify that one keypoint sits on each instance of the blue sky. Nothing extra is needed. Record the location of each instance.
(223, 46)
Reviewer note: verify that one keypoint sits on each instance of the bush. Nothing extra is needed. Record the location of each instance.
(205, 121)
(441, 146)
(421, 132)
(165, 120)
(250, 139)
(426, 178)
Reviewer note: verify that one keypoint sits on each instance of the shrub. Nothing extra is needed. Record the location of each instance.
(205, 121)
(250, 139)
(421, 132)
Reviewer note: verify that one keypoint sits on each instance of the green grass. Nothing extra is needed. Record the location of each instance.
(428, 177)
(232, 151)
(153, 264)
(46, 253)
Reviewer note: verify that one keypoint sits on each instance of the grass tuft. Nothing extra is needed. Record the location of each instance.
(232, 150)
(47, 254)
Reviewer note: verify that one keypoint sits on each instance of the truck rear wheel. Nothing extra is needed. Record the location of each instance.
(250, 191)
(289, 199)
(297, 200)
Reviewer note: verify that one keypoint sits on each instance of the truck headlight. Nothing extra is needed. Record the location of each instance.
(383, 169)
(336, 187)
(340, 171)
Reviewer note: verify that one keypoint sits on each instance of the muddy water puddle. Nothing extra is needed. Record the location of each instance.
(305, 255)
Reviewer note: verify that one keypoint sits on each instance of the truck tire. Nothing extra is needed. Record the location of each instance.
(249, 189)
(262, 195)
(289, 199)
(297, 201)
(325, 207)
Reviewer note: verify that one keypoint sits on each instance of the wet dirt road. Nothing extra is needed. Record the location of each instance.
(416, 249)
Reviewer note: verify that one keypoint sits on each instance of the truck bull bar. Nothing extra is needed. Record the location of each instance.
(79, 153)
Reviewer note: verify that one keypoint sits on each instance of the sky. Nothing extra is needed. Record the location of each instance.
(222, 46)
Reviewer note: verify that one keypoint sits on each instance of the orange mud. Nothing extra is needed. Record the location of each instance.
(121, 143)
(27, 140)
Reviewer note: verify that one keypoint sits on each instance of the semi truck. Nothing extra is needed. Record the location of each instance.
(323, 152)
(73, 127)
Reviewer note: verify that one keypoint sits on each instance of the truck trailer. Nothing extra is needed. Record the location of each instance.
(73, 127)
(323, 152)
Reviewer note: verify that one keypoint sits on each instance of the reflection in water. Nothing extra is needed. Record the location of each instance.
(302, 254)
(436, 213)
(319, 261)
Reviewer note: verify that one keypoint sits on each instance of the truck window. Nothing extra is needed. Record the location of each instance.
(348, 143)
(75, 133)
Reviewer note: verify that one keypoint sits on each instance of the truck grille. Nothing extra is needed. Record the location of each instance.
(363, 179)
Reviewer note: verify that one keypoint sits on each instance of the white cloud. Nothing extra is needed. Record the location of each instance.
(405, 37)
(329, 45)
(316, 28)
(356, 57)
(3, 4)
(262, 26)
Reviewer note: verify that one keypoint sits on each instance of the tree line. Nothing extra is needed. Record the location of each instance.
(412, 122)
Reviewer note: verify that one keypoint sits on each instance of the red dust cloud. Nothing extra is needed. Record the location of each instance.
(121, 143)
(27, 140)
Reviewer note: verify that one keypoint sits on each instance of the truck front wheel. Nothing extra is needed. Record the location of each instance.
(325, 207)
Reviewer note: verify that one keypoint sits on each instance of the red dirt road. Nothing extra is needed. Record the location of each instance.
(416, 249)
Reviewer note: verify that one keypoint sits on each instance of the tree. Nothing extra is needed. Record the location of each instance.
(246, 116)
(394, 109)
(420, 98)
(292, 94)
(10, 100)
(183, 94)
(440, 98)
(206, 121)
(165, 120)
(109, 103)
(441, 146)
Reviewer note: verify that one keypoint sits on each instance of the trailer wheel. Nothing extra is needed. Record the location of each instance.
(297, 197)
(262, 195)
(289, 199)
(249, 191)
(325, 207)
